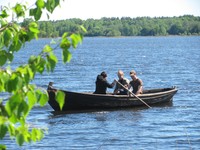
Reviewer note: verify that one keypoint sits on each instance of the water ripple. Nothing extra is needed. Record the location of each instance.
(159, 62)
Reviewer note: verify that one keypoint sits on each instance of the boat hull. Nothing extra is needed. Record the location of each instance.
(85, 101)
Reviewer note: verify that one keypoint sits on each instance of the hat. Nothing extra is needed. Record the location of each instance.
(104, 74)
(132, 72)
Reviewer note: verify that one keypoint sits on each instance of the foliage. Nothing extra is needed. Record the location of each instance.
(126, 26)
(23, 95)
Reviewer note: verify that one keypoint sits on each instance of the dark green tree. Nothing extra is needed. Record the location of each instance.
(126, 26)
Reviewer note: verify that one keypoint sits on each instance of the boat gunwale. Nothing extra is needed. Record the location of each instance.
(171, 90)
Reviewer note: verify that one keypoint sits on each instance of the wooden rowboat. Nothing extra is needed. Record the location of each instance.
(86, 101)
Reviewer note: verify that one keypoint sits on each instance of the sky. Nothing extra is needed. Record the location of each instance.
(96, 9)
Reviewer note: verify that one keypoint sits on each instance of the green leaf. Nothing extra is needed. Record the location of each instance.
(51, 5)
(3, 58)
(13, 103)
(2, 147)
(20, 10)
(66, 56)
(23, 125)
(47, 49)
(23, 110)
(40, 3)
(3, 118)
(11, 129)
(23, 36)
(83, 29)
(36, 12)
(65, 43)
(31, 59)
(15, 46)
(43, 99)
(32, 100)
(3, 80)
(33, 27)
(41, 65)
(3, 23)
(76, 38)
(13, 118)
(3, 131)
(24, 75)
(4, 14)
(36, 134)
(13, 83)
(10, 56)
(64, 35)
(30, 73)
(7, 37)
(60, 98)
(20, 139)
(51, 62)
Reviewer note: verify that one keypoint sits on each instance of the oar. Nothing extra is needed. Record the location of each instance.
(133, 94)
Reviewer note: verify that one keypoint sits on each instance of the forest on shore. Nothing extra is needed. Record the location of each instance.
(125, 26)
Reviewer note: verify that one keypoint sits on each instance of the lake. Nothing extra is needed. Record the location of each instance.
(159, 61)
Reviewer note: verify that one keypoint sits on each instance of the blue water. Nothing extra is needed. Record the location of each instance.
(159, 62)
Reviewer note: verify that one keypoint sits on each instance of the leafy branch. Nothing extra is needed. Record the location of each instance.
(23, 95)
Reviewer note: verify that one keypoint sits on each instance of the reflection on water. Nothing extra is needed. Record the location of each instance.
(55, 113)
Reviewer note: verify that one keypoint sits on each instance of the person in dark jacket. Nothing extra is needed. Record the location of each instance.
(102, 84)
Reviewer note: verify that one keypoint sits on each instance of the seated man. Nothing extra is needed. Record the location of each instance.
(102, 84)
(136, 84)
(119, 89)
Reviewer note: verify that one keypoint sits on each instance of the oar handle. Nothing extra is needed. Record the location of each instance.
(133, 93)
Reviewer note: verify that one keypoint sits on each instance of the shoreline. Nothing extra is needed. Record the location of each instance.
(125, 36)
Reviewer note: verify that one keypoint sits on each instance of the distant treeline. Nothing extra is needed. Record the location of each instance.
(125, 26)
